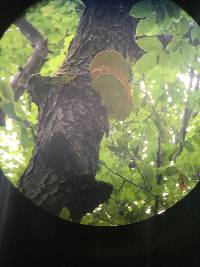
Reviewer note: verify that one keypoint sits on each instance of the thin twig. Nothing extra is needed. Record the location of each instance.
(159, 176)
(145, 189)
(188, 114)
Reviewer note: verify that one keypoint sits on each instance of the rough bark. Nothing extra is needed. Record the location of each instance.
(72, 120)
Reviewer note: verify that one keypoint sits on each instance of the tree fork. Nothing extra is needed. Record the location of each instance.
(72, 120)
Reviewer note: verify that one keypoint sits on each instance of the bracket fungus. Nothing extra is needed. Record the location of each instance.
(109, 77)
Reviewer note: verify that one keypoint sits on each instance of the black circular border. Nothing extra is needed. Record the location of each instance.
(31, 237)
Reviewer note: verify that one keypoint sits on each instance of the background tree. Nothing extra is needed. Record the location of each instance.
(151, 159)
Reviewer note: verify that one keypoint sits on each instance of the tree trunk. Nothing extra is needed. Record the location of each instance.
(72, 120)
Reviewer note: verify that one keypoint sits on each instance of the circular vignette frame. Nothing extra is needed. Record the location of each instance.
(27, 232)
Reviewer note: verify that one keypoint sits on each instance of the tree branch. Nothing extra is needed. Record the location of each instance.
(188, 113)
(35, 61)
(159, 176)
(145, 189)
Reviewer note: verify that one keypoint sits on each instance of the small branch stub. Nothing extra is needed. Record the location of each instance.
(109, 75)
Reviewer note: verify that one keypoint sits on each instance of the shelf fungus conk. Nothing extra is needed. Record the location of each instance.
(109, 76)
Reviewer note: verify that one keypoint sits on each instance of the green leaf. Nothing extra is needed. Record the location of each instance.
(195, 33)
(188, 51)
(196, 139)
(64, 214)
(6, 91)
(115, 149)
(146, 62)
(177, 38)
(188, 145)
(87, 219)
(157, 189)
(182, 26)
(19, 111)
(160, 14)
(127, 193)
(176, 58)
(150, 44)
(194, 100)
(155, 30)
(8, 109)
(145, 25)
(170, 171)
(172, 9)
(148, 173)
(142, 9)
(24, 138)
(164, 58)
(163, 19)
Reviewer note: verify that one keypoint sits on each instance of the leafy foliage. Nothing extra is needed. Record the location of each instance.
(57, 21)
(153, 158)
